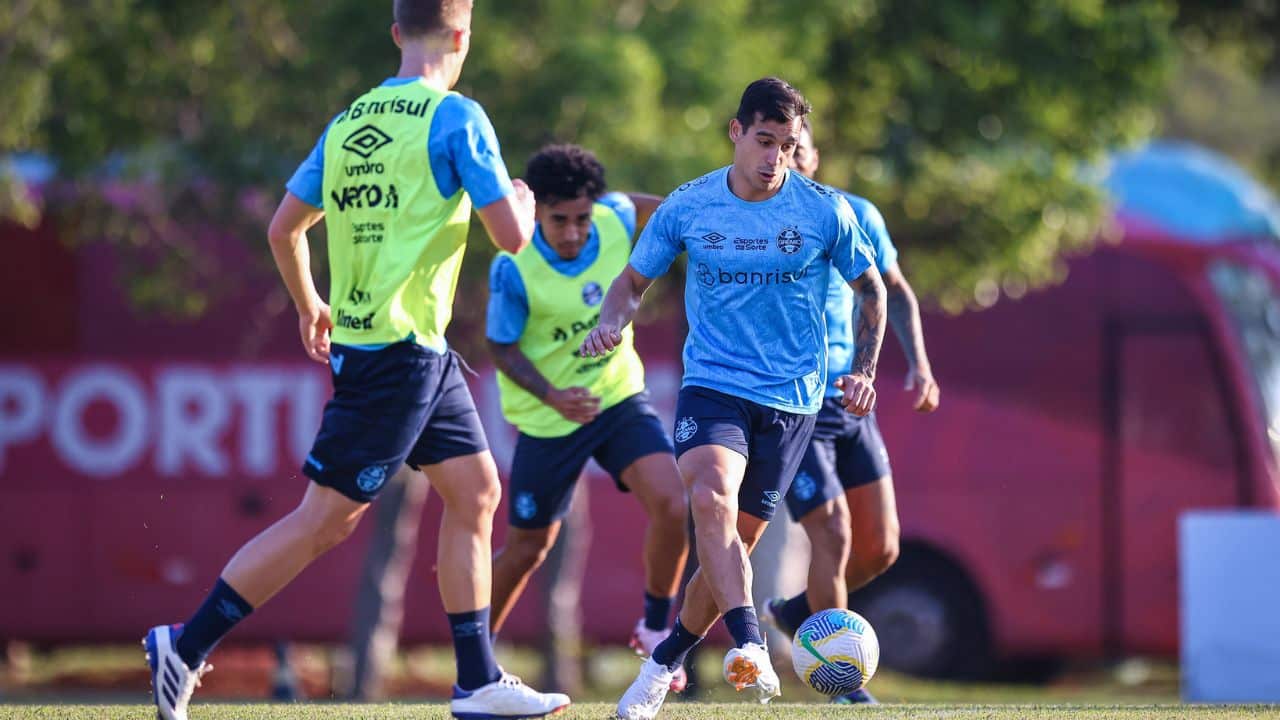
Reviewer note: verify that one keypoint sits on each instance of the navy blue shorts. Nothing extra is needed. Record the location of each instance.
(773, 441)
(847, 451)
(401, 404)
(544, 471)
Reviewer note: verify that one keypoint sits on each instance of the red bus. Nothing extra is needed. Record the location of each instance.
(1039, 504)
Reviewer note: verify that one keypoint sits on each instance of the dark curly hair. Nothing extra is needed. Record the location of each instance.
(564, 172)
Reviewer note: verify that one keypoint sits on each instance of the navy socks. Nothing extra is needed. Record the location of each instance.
(472, 649)
(672, 651)
(656, 611)
(220, 612)
(743, 625)
(794, 612)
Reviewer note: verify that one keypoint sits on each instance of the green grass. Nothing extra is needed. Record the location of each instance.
(673, 711)
(74, 682)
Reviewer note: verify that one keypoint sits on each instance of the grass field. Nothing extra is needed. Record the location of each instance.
(673, 711)
(109, 683)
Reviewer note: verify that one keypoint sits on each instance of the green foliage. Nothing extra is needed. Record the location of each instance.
(966, 123)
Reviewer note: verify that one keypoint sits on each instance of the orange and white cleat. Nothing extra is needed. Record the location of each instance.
(749, 667)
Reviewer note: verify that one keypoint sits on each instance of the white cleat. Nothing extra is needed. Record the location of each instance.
(507, 697)
(171, 680)
(644, 640)
(749, 667)
(643, 699)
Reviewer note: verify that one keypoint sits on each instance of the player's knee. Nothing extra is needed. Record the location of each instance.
(673, 508)
(332, 530)
(529, 550)
(836, 531)
(881, 554)
(707, 501)
(477, 503)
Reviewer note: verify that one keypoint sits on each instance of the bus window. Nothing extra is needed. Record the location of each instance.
(1253, 304)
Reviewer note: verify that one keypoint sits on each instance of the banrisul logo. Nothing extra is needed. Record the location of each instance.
(392, 106)
(366, 141)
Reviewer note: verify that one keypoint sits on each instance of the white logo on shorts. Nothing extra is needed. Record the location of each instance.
(686, 429)
(771, 498)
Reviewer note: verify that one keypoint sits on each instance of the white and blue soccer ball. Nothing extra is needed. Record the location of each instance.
(835, 652)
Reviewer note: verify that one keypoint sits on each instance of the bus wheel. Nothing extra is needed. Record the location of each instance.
(928, 617)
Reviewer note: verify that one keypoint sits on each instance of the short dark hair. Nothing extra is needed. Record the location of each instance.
(564, 172)
(773, 99)
(420, 17)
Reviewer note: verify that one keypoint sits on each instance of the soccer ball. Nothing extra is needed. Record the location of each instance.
(835, 652)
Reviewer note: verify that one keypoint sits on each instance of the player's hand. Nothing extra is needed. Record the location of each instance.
(928, 394)
(601, 340)
(576, 404)
(859, 394)
(315, 328)
(524, 201)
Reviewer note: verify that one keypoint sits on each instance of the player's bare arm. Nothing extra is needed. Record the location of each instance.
(510, 221)
(575, 404)
(645, 205)
(616, 312)
(287, 236)
(904, 317)
(859, 392)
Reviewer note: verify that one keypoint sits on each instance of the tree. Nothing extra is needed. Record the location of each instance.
(968, 125)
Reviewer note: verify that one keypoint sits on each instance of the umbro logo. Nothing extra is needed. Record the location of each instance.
(714, 238)
(366, 141)
(230, 611)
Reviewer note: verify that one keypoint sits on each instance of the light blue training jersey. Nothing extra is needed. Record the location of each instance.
(840, 296)
(756, 284)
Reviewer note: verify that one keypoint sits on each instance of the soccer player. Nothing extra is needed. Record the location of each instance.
(394, 176)
(761, 243)
(845, 472)
(568, 407)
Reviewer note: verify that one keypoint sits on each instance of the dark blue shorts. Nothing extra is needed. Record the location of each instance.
(544, 471)
(401, 404)
(847, 451)
(773, 441)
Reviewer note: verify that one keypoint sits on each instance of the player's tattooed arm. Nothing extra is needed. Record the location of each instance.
(904, 317)
(869, 320)
(576, 404)
(617, 310)
(869, 323)
(517, 366)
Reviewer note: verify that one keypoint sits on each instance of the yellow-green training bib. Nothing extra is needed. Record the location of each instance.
(395, 243)
(562, 310)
